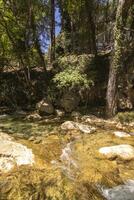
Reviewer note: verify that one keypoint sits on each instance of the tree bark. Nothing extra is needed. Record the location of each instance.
(92, 43)
(36, 41)
(117, 60)
(52, 58)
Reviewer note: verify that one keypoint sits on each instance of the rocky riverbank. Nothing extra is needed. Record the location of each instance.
(63, 156)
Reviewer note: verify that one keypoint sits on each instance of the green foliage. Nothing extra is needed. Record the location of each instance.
(125, 117)
(80, 62)
(17, 41)
(72, 78)
(72, 72)
(63, 44)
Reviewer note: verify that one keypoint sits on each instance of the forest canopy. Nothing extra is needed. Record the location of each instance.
(100, 29)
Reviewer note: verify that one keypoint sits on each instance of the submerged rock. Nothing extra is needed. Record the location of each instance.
(121, 192)
(70, 125)
(13, 154)
(124, 151)
(121, 134)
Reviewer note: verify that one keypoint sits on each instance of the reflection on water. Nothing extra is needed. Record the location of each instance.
(65, 169)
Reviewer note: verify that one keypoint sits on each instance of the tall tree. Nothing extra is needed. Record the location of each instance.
(52, 30)
(117, 60)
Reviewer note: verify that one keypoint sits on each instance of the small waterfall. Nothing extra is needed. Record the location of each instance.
(67, 163)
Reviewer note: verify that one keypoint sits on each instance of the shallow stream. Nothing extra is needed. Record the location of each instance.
(67, 166)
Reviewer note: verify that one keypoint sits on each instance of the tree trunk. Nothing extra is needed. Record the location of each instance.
(52, 58)
(36, 42)
(117, 60)
(93, 48)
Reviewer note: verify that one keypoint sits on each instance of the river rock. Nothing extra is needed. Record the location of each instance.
(131, 133)
(14, 154)
(121, 192)
(33, 117)
(85, 128)
(70, 125)
(123, 151)
(121, 134)
(4, 136)
(60, 113)
(45, 107)
(76, 115)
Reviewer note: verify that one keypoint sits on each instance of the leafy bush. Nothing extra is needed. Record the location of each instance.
(63, 44)
(80, 62)
(72, 78)
(73, 72)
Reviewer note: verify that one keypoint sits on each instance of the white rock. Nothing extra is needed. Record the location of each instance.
(68, 125)
(13, 153)
(121, 192)
(60, 113)
(121, 134)
(84, 128)
(4, 136)
(124, 151)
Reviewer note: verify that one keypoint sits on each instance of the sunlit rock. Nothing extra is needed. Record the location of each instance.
(124, 151)
(4, 136)
(14, 154)
(121, 134)
(85, 128)
(59, 113)
(70, 125)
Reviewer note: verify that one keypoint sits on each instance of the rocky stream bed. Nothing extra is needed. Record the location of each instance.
(53, 159)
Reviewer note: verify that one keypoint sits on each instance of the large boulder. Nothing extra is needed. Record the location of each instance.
(13, 154)
(123, 151)
(70, 101)
(45, 107)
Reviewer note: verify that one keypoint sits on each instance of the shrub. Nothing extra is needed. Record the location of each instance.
(73, 72)
(72, 78)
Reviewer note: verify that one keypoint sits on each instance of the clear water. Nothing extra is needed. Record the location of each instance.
(68, 165)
